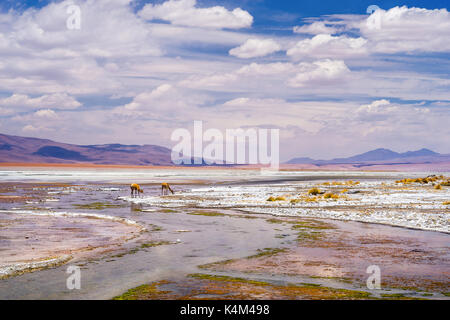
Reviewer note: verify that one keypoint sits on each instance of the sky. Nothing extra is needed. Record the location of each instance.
(335, 77)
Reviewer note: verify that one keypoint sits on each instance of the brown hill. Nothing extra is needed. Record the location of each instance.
(34, 150)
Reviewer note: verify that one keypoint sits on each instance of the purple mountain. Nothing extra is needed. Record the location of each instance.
(380, 156)
(23, 149)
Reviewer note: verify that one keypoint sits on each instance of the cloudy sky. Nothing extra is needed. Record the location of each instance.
(335, 79)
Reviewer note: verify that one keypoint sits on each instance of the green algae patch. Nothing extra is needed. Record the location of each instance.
(199, 286)
(427, 294)
(310, 230)
(144, 292)
(97, 206)
(312, 224)
(266, 252)
(252, 289)
(156, 228)
(400, 296)
(243, 216)
(168, 211)
(261, 253)
(340, 279)
(210, 277)
(319, 292)
(141, 247)
(303, 236)
(207, 213)
(274, 220)
(215, 264)
(304, 284)
(392, 295)
(154, 244)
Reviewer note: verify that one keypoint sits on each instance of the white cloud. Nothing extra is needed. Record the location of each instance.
(209, 81)
(54, 101)
(29, 128)
(38, 54)
(377, 110)
(319, 72)
(384, 110)
(166, 102)
(253, 48)
(6, 111)
(46, 113)
(304, 74)
(403, 29)
(327, 46)
(266, 68)
(185, 13)
(317, 27)
(170, 82)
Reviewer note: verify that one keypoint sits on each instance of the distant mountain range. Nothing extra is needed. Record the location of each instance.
(380, 156)
(33, 150)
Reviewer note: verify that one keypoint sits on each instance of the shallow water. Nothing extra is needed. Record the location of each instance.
(190, 240)
(108, 175)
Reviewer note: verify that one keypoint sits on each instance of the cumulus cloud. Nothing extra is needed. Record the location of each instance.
(325, 45)
(185, 13)
(46, 113)
(377, 110)
(266, 68)
(40, 54)
(255, 48)
(166, 102)
(54, 101)
(161, 79)
(403, 29)
(319, 72)
(30, 128)
(382, 110)
(317, 27)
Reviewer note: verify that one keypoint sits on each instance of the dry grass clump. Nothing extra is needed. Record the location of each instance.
(339, 183)
(429, 179)
(314, 191)
(446, 203)
(276, 199)
(330, 195)
(304, 199)
(438, 187)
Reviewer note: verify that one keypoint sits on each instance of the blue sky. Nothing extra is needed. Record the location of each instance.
(334, 79)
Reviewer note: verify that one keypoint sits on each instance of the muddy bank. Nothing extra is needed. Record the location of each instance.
(320, 259)
(31, 241)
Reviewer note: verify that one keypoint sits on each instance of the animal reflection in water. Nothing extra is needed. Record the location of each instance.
(165, 188)
(135, 189)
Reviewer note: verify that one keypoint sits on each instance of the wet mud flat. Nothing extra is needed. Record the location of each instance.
(192, 252)
(321, 259)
